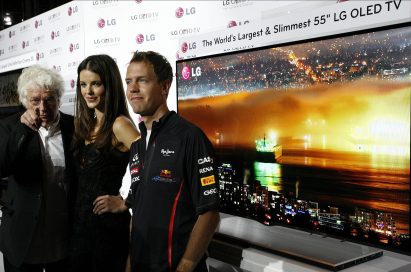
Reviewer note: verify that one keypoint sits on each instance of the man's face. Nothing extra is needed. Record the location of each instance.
(144, 93)
(45, 103)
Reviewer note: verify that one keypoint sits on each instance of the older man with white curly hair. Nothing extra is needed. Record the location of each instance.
(35, 157)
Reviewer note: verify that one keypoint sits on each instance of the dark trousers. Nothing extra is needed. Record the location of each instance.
(60, 266)
(98, 263)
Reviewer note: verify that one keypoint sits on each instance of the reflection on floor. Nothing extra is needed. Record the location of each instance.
(248, 257)
(219, 266)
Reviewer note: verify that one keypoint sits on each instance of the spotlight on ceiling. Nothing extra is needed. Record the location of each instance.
(7, 20)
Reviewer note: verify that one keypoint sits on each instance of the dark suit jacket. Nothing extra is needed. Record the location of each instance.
(21, 162)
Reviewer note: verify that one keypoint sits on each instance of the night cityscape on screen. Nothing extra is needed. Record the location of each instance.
(314, 135)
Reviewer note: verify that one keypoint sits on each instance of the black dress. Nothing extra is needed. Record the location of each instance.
(99, 242)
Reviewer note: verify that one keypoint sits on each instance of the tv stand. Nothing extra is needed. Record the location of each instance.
(312, 248)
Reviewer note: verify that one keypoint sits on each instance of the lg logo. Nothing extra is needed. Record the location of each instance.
(102, 23)
(186, 46)
(39, 55)
(74, 47)
(233, 23)
(25, 44)
(180, 11)
(140, 38)
(186, 73)
(72, 10)
(54, 34)
(38, 23)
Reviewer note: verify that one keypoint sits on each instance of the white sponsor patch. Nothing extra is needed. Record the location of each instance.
(205, 160)
(210, 192)
(205, 170)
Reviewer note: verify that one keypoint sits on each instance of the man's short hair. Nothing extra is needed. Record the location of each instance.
(161, 66)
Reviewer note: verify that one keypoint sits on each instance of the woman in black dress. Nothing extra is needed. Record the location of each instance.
(103, 135)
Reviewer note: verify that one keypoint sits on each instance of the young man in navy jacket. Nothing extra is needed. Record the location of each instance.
(174, 191)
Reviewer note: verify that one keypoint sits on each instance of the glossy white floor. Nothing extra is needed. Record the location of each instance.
(262, 261)
(214, 266)
(259, 261)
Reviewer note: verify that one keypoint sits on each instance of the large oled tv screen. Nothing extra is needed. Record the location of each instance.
(314, 134)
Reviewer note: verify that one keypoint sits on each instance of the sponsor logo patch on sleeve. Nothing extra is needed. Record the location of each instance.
(207, 180)
(134, 170)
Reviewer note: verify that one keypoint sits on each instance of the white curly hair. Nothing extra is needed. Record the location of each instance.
(35, 77)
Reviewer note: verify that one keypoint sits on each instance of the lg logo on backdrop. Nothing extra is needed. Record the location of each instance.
(38, 23)
(25, 44)
(109, 22)
(39, 56)
(73, 47)
(54, 34)
(180, 11)
(188, 46)
(140, 38)
(72, 10)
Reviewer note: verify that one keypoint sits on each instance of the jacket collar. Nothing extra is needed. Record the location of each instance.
(156, 125)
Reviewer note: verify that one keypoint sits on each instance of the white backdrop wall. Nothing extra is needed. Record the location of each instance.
(62, 37)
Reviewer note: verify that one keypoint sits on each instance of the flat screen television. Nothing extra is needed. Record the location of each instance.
(313, 134)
